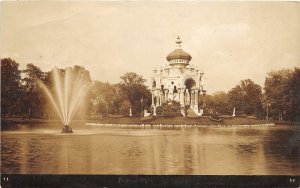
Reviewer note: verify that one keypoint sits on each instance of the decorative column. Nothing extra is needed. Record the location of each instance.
(192, 99)
(166, 97)
(204, 102)
(160, 98)
(181, 97)
(172, 95)
(157, 100)
(196, 99)
(152, 102)
(154, 111)
(187, 97)
(181, 101)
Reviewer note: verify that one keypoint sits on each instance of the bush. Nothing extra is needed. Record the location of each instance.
(159, 110)
(171, 108)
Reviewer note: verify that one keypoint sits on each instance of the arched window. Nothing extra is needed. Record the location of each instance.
(154, 84)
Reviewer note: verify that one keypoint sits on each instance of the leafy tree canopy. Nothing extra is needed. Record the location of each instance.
(10, 86)
(246, 97)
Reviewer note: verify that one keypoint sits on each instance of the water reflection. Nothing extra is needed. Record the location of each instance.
(247, 150)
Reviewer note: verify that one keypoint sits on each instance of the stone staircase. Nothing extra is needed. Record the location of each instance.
(191, 113)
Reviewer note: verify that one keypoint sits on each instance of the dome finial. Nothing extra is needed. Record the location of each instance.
(178, 42)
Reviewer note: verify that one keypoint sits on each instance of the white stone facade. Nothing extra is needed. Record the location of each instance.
(178, 81)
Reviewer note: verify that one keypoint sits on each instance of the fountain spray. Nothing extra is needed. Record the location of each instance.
(67, 93)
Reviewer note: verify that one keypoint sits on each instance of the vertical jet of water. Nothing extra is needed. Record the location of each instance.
(51, 99)
(76, 85)
(77, 99)
(78, 88)
(59, 93)
(67, 93)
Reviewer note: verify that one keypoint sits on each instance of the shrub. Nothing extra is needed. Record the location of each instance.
(171, 108)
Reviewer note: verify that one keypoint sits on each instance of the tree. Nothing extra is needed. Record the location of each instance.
(133, 89)
(246, 98)
(293, 96)
(103, 96)
(275, 85)
(282, 94)
(124, 108)
(10, 86)
(33, 98)
(218, 103)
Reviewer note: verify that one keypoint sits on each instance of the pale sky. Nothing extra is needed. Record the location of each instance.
(228, 41)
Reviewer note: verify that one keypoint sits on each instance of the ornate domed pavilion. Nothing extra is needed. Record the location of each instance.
(178, 81)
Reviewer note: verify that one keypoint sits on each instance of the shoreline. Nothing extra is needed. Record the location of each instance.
(175, 126)
(203, 121)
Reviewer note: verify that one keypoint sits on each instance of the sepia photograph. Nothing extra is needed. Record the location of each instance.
(150, 93)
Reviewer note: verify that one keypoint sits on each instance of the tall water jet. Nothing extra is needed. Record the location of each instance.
(69, 87)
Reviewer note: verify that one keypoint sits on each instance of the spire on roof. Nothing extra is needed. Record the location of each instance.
(178, 42)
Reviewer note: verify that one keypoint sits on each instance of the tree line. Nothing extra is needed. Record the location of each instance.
(22, 96)
(279, 99)
(129, 94)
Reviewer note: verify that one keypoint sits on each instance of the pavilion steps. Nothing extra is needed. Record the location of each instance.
(191, 113)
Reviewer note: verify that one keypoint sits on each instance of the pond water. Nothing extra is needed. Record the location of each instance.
(28, 149)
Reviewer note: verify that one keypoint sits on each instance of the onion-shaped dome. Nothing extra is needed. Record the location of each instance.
(179, 54)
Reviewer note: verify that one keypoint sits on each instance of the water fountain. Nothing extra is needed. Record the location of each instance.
(69, 87)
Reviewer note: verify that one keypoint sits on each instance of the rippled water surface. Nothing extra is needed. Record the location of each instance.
(101, 150)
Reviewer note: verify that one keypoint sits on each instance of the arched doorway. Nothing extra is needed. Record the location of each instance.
(189, 85)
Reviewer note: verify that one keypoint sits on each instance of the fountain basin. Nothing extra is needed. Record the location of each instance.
(67, 129)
